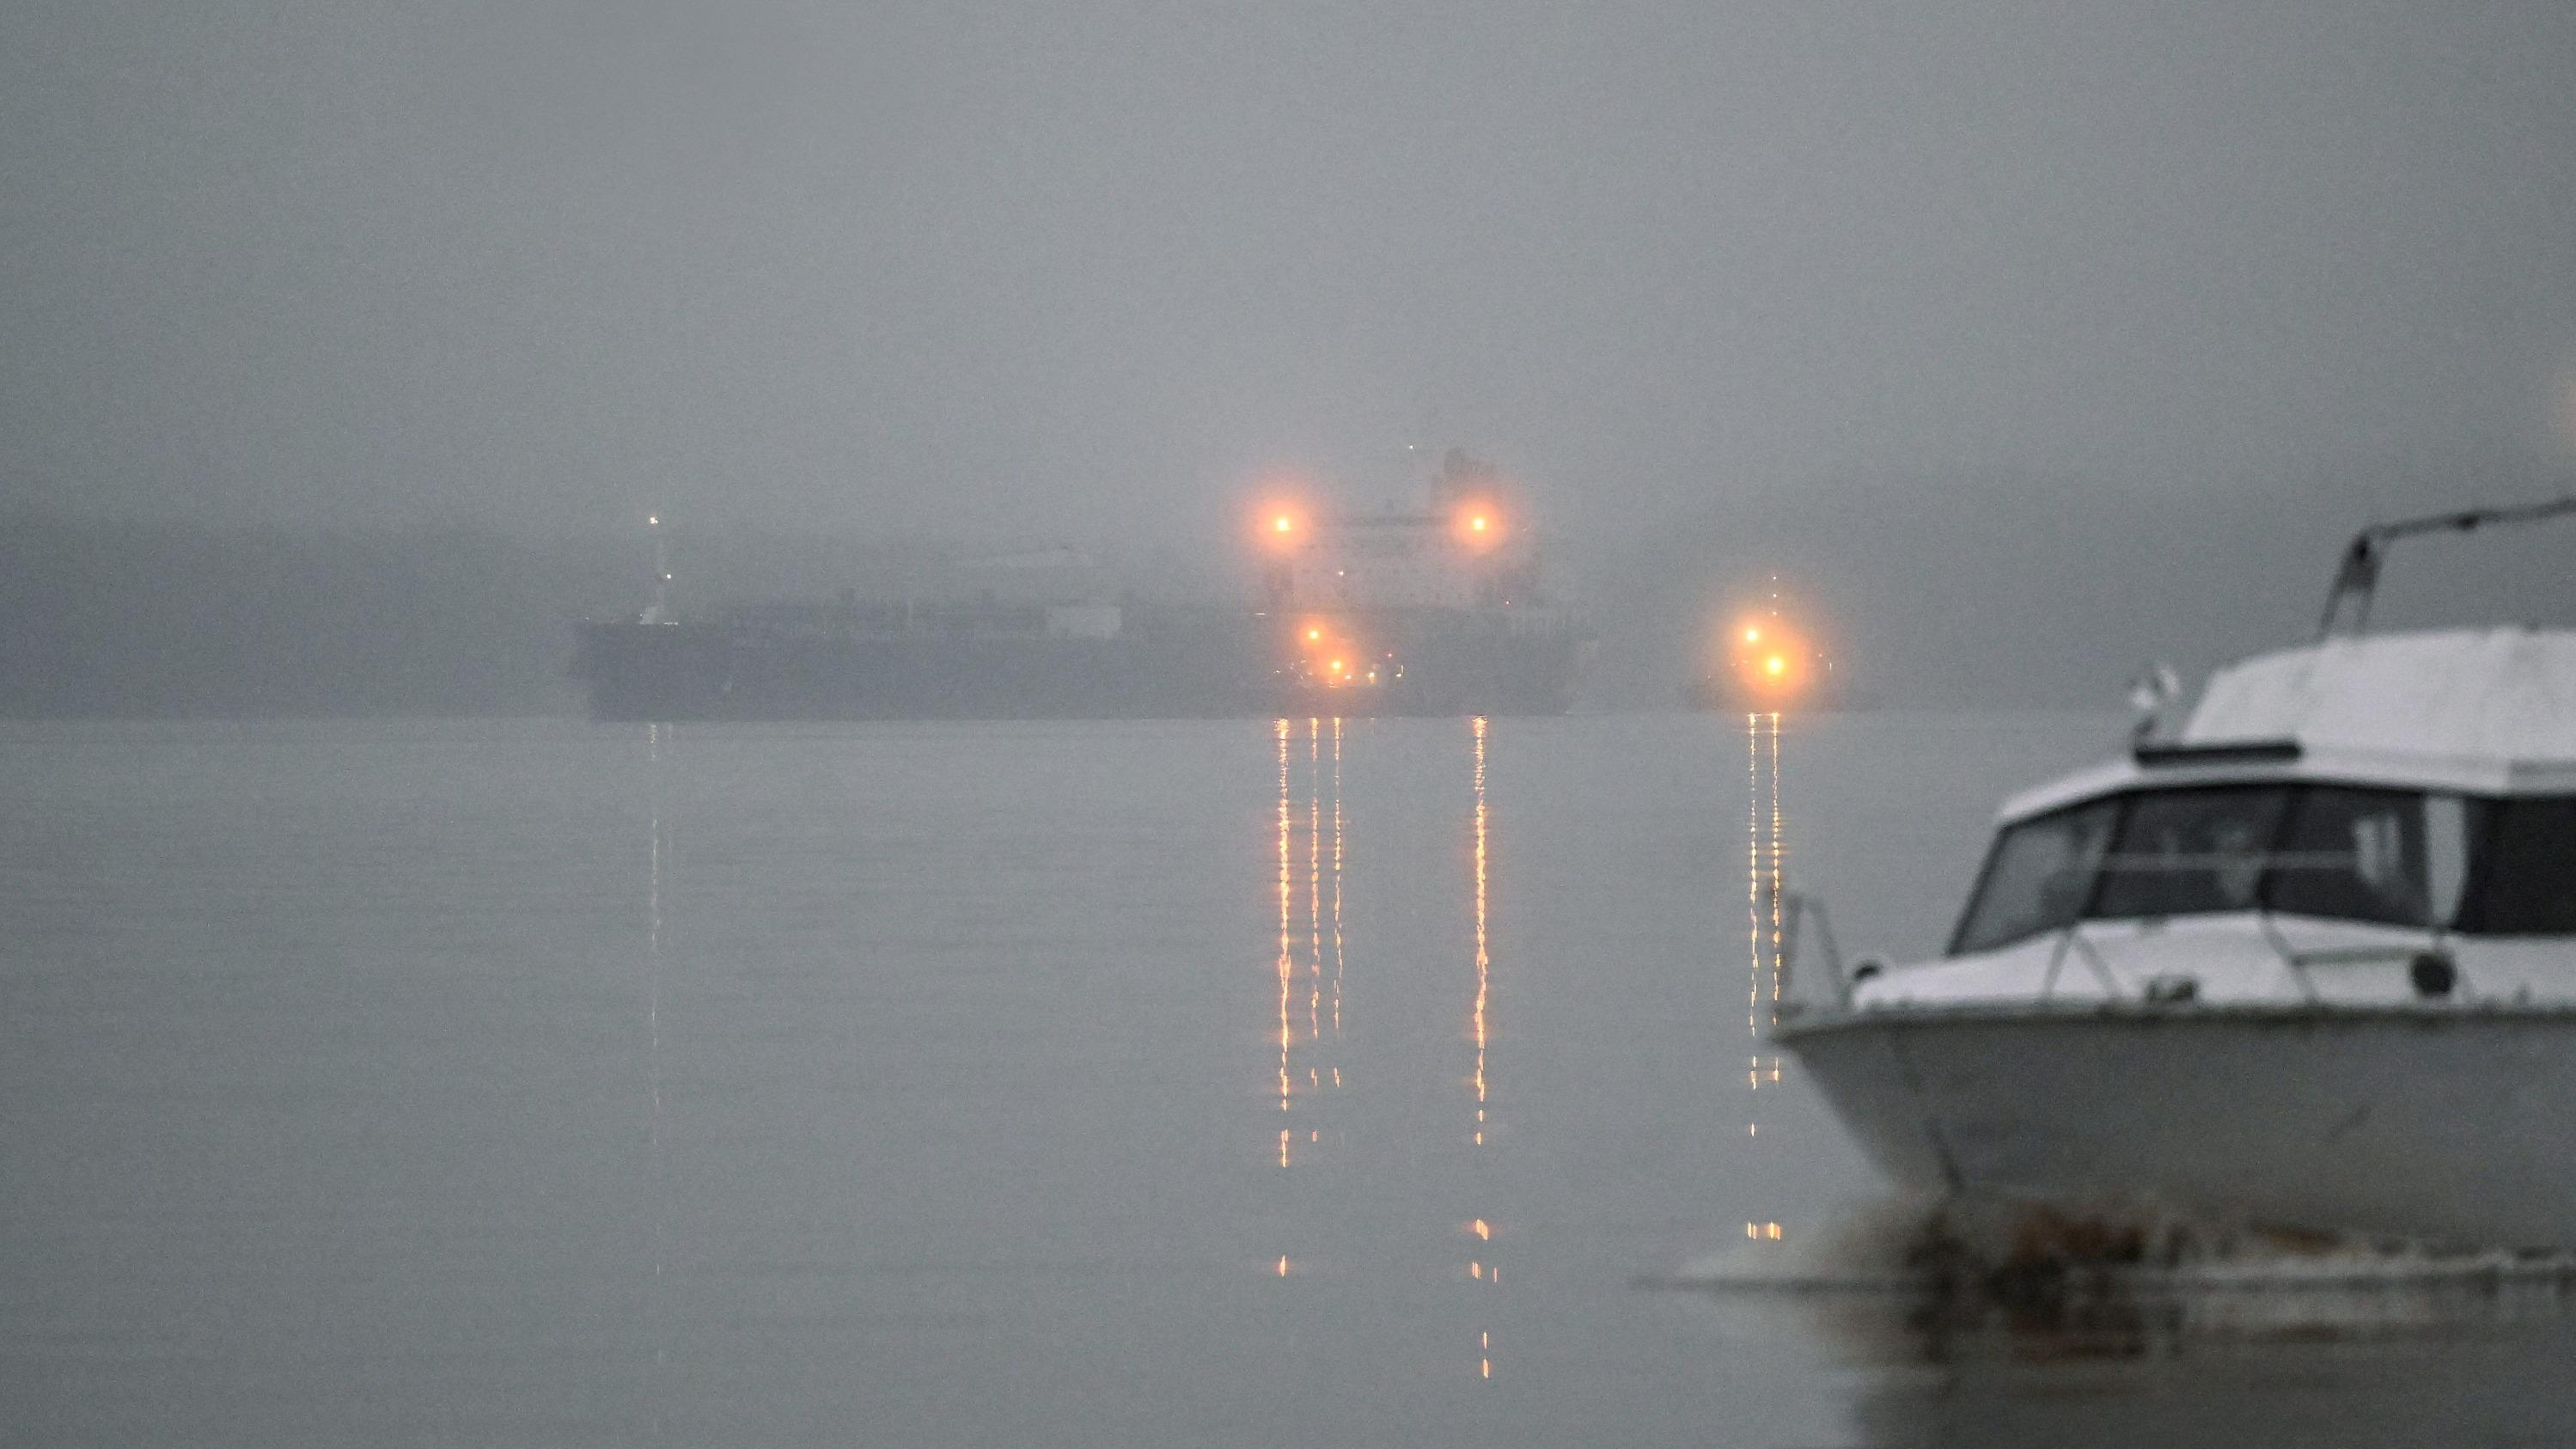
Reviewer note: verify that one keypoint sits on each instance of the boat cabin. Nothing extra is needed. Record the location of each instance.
(2369, 819)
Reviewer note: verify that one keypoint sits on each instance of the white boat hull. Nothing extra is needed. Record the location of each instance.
(2448, 1123)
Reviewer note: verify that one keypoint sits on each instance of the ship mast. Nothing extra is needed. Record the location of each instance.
(659, 611)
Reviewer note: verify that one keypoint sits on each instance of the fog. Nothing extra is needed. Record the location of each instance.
(2023, 341)
(1167, 1021)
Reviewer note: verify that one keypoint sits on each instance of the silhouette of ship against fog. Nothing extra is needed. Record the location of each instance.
(1435, 611)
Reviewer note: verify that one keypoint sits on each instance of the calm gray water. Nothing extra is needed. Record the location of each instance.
(535, 1083)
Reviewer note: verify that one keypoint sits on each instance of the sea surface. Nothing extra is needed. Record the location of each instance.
(1089, 1084)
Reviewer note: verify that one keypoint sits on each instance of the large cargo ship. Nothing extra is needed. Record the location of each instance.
(1430, 611)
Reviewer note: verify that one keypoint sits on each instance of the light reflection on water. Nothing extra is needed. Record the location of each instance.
(521, 1083)
(1482, 1266)
(2144, 1352)
(1309, 1066)
(657, 1186)
(1765, 864)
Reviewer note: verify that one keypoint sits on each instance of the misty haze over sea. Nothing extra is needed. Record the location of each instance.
(389, 1054)
(2025, 342)
(1941, 595)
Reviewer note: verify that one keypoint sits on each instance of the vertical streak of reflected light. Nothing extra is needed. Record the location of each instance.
(1753, 868)
(658, 1186)
(1337, 889)
(653, 942)
(1766, 891)
(1285, 965)
(1481, 1265)
(652, 960)
(1314, 880)
(1483, 963)
(653, 978)
(1779, 852)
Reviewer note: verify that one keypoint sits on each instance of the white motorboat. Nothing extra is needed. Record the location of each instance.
(2308, 961)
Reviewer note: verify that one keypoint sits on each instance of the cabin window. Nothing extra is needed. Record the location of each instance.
(2179, 852)
(2037, 877)
(2391, 856)
(2528, 878)
(2340, 852)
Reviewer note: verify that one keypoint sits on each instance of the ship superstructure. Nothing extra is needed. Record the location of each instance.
(1437, 610)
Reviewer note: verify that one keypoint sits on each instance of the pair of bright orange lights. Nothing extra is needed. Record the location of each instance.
(1771, 664)
(1316, 636)
(1283, 524)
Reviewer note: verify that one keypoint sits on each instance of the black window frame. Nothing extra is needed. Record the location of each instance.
(2469, 919)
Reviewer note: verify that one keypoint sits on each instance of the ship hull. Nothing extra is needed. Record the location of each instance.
(2446, 1125)
(1211, 669)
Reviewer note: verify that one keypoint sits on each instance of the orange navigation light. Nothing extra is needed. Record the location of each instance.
(1283, 524)
(1477, 523)
(1768, 658)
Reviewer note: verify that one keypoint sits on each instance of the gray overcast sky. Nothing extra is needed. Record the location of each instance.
(1085, 269)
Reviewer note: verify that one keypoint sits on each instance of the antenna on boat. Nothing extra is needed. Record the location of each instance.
(2358, 575)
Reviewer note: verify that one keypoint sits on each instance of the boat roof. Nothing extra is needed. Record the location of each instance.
(2490, 711)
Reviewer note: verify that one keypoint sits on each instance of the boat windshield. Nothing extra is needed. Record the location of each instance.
(2185, 851)
(2393, 856)
(2039, 877)
(2339, 852)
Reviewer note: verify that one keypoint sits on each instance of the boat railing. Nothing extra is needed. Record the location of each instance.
(2427, 960)
(2357, 575)
(2072, 940)
(2432, 968)
(1796, 909)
